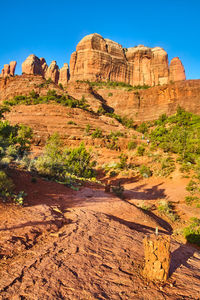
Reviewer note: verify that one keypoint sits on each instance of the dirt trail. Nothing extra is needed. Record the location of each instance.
(85, 244)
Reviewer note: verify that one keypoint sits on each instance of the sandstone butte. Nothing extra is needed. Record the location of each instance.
(97, 58)
(101, 59)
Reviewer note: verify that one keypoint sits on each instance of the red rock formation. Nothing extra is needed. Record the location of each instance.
(97, 58)
(176, 70)
(12, 67)
(32, 66)
(43, 65)
(6, 70)
(52, 72)
(64, 74)
(9, 69)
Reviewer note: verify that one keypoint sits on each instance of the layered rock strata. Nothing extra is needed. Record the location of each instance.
(52, 72)
(9, 69)
(64, 74)
(176, 70)
(97, 58)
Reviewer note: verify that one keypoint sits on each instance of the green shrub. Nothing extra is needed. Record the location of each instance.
(123, 161)
(166, 208)
(192, 186)
(132, 145)
(87, 129)
(71, 123)
(145, 171)
(140, 150)
(97, 133)
(143, 128)
(6, 185)
(192, 232)
(118, 190)
(61, 86)
(191, 199)
(110, 94)
(58, 163)
(167, 166)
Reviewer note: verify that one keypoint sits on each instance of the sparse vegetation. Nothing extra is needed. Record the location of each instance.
(60, 163)
(51, 97)
(97, 134)
(132, 145)
(192, 232)
(140, 150)
(166, 208)
(114, 84)
(145, 171)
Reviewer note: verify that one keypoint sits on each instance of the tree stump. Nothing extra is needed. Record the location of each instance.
(157, 257)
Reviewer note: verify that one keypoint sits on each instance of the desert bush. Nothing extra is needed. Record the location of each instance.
(6, 185)
(192, 186)
(167, 166)
(145, 171)
(97, 134)
(118, 190)
(123, 161)
(58, 162)
(143, 128)
(131, 145)
(192, 232)
(166, 208)
(51, 96)
(140, 150)
(191, 199)
(87, 129)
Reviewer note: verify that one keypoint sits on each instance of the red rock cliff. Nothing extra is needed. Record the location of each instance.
(97, 58)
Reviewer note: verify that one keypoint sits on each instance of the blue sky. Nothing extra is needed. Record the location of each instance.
(52, 29)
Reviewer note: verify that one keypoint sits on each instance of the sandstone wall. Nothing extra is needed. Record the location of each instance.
(146, 105)
(97, 58)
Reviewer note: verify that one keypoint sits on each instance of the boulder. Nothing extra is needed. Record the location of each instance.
(176, 70)
(32, 66)
(64, 74)
(52, 72)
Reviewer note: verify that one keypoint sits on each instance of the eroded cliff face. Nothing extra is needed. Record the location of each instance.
(141, 105)
(147, 105)
(97, 58)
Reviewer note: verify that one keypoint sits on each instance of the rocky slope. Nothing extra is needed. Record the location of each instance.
(84, 245)
(141, 105)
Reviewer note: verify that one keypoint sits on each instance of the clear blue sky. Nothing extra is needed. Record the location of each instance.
(52, 29)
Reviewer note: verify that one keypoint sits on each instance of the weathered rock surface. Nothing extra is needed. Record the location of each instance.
(9, 69)
(146, 105)
(52, 72)
(97, 58)
(141, 105)
(43, 65)
(157, 257)
(64, 74)
(23, 85)
(32, 66)
(176, 70)
(12, 67)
